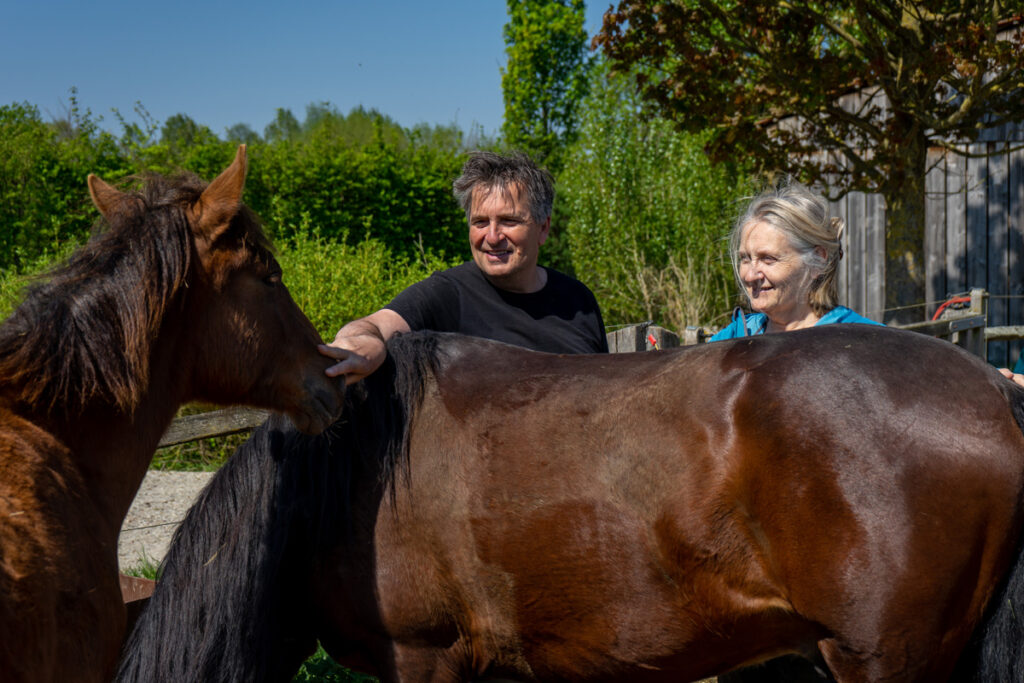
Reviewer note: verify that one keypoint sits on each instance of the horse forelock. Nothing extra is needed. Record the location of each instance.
(84, 330)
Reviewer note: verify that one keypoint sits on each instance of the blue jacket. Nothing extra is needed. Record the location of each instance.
(757, 322)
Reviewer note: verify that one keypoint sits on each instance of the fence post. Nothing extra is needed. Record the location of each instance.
(637, 338)
(663, 339)
(628, 339)
(973, 339)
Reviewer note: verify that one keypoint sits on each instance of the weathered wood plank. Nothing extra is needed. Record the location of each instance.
(628, 339)
(997, 281)
(1004, 332)
(935, 229)
(874, 257)
(1015, 239)
(977, 217)
(944, 328)
(838, 208)
(212, 423)
(663, 339)
(857, 229)
(956, 225)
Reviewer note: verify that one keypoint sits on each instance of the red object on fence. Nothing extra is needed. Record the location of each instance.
(954, 300)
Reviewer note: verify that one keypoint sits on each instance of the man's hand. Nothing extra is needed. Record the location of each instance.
(358, 356)
(359, 347)
(1010, 374)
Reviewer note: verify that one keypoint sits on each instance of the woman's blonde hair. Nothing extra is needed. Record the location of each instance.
(804, 218)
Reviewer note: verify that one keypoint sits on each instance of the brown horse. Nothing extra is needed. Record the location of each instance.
(180, 299)
(850, 493)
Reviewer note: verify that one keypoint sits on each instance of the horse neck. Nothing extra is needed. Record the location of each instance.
(112, 448)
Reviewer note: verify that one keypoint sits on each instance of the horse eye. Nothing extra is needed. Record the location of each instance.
(273, 279)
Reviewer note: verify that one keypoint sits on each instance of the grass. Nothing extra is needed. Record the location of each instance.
(145, 568)
(320, 668)
(204, 455)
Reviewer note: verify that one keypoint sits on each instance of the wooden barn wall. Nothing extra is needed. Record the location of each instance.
(974, 235)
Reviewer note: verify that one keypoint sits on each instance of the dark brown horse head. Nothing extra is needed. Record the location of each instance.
(256, 346)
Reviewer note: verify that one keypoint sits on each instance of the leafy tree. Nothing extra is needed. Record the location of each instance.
(242, 133)
(43, 199)
(647, 212)
(359, 127)
(181, 131)
(390, 188)
(190, 145)
(768, 79)
(545, 75)
(284, 127)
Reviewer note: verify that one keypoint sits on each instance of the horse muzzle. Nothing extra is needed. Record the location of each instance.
(322, 407)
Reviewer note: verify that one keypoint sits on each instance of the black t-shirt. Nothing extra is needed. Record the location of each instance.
(563, 317)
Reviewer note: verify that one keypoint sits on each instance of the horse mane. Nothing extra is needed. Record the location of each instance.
(376, 423)
(84, 330)
(396, 396)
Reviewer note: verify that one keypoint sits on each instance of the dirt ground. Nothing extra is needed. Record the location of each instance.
(161, 503)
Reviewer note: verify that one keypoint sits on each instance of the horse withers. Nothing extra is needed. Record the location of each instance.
(852, 494)
(179, 299)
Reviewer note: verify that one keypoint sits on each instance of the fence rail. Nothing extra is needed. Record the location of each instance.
(212, 423)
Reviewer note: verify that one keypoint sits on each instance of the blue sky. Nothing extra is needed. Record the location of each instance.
(224, 63)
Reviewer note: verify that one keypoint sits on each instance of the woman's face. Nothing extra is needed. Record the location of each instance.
(775, 277)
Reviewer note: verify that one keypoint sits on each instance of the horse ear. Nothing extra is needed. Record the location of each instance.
(221, 200)
(107, 199)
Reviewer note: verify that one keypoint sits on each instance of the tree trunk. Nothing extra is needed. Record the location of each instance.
(904, 194)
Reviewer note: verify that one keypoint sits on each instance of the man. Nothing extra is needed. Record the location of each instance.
(502, 294)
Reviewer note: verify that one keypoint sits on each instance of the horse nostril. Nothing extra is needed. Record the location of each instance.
(328, 402)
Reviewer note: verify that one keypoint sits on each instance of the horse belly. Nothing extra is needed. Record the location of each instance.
(531, 600)
(542, 556)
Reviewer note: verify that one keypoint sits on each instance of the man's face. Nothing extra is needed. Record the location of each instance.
(504, 238)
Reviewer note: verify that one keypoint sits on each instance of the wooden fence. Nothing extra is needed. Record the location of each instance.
(974, 235)
(213, 423)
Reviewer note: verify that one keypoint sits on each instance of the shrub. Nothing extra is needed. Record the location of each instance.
(335, 281)
(647, 213)
(43, 167)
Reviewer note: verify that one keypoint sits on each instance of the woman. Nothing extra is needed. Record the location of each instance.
(785, 252)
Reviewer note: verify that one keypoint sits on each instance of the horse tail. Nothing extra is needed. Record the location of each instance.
(231, 603)
(997, 653)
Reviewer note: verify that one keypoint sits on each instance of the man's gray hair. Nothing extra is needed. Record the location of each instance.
(492, 171)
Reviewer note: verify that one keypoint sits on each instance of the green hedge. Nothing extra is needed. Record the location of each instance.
(386, 184)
